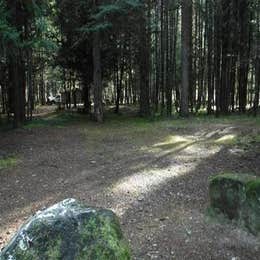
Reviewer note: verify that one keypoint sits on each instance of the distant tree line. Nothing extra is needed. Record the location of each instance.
(165, 56)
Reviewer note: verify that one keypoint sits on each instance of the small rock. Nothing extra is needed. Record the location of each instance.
(164, 219)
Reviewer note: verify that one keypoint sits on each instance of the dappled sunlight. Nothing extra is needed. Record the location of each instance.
(198, 150)
(153, 175)
(226, 139)
(218, 132)
(173, 157)
(143, 182)
(172, 143)
(173, 139)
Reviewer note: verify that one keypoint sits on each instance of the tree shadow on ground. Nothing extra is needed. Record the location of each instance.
(143, 174)
(171, 219)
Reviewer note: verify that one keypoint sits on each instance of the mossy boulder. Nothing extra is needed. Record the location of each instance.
(251, 213)
(67, 231)
(237, 196)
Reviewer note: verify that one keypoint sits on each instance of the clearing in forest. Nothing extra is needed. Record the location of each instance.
(152, 173)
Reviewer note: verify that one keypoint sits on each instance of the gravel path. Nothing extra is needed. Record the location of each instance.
(154, 176)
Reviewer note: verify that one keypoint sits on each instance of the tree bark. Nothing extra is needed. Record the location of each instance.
(98, 89)
(144, 67)
(186, 55)
(244, 54)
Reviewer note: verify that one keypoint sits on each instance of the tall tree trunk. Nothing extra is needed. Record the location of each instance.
(156, 61)
(209, 24)
(42, 84)
(120, 73)
(217, 54)
(17, 81)
(243, 53)
(98, 89)
(175, 81)
(169, 45)
(30, 84)
(225, 57)
(144, 68)
(17, 77)
(162, 60)
(257, 66)
(186, 55)
(86, 95)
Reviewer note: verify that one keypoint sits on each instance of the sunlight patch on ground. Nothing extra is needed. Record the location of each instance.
(171, 144)
(226, 139)
(144, 182)
(129, 189)
(173, 139)
(198, 150)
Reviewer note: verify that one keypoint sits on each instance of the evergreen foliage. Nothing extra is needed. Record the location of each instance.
(166, 56)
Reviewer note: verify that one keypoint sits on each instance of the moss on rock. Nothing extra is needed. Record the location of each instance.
(67, 231)
(252, 206)
(237, 196)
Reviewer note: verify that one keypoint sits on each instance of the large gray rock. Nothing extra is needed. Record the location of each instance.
(68, 231)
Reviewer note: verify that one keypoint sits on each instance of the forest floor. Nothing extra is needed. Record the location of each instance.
(153, 173)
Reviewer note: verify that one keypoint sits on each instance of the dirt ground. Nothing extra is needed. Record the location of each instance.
(153, 174)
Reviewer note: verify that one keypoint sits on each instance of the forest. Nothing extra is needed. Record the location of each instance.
(164, 56)
(129, 129)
